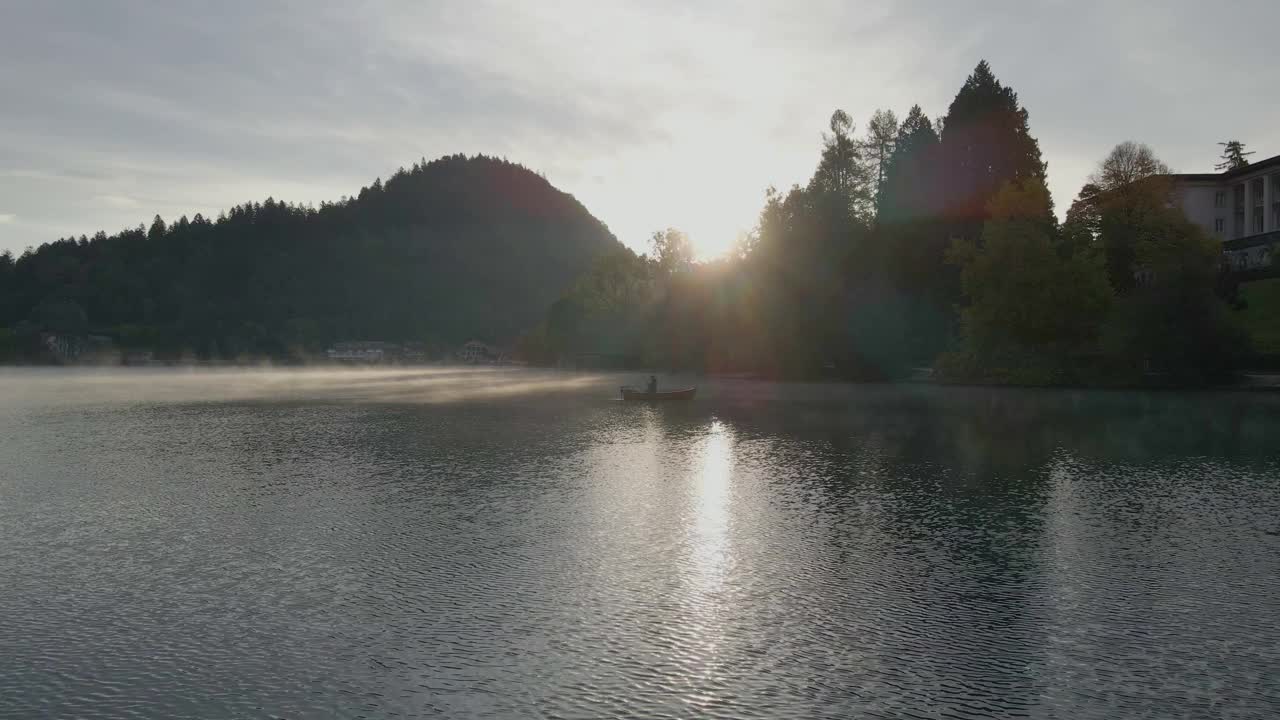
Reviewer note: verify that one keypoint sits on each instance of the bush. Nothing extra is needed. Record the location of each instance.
(1178, 329)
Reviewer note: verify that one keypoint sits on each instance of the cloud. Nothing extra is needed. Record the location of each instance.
(653, 114)
(6, 218)
(117, 201)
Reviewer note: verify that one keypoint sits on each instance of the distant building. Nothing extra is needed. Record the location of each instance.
(369, 352)
(69, 348)
(414, 353)
(474, 352)
(63, 348)
(1239, 207)
(138, 357)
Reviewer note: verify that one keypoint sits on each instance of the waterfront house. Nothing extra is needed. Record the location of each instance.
(370, 352)
(413, 353)
(474, 352)
(1240, 207)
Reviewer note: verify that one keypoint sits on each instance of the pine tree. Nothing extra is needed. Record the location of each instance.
(908, 189)
(913, 242)
(157, 230)
(1233, 156)
(986, 143)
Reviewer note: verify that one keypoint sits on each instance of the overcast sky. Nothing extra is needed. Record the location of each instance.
(653, 114)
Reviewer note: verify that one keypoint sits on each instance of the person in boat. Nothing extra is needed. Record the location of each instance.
(652, 386)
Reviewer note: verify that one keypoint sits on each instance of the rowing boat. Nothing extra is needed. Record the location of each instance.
(631, 394)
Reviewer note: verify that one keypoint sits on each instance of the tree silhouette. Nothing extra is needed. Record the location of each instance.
(1127, 163)
(1233, 156)
(882, 134)
(452, 249)
(841, 175)
(1133, 186)
(985, 144)
(910, 182)
(672, 250)
(1024, 297)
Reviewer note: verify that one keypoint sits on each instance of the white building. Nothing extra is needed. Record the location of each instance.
(363, 352)
(476, 353)
(1240, 207)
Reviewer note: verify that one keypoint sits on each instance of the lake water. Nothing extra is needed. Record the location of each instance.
(520, 544)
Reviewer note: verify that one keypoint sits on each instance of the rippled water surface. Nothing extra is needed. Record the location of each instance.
(520, 544)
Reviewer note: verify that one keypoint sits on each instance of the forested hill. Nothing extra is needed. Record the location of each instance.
(449, 250)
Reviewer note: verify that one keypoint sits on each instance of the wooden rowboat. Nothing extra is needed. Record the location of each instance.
(631, 394)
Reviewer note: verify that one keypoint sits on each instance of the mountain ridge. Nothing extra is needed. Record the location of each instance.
(452, 249)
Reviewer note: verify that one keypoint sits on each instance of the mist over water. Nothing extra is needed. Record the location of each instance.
(357, 385)
(513, 543)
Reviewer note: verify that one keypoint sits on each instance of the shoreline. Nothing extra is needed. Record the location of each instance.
(1250, 382)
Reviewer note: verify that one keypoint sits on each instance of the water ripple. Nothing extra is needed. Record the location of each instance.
(308, 548)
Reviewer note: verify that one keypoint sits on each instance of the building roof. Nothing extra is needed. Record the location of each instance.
(1273, 161)
(1230, 174)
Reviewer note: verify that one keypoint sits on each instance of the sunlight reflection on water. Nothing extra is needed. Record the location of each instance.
(451, 542)
(709, 537)
(712, 501)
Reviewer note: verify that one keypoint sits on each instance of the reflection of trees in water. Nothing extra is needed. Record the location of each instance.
(924, 541)
(905, 529)
(987, 432)
(937, 503)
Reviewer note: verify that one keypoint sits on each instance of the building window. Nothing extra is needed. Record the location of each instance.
(1220, 225)
(1220, 199)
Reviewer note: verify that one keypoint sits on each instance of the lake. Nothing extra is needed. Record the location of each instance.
(516, 543)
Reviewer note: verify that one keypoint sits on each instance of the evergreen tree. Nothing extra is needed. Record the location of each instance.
(157, 230)
(458, 248)
(1233, 156)
(986, 143)
(910, 175)
(6, 281)
(921, 286)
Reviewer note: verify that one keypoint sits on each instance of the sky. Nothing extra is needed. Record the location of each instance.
(653, 114)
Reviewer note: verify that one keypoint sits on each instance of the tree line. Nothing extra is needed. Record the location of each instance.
(928, 244)
(448, 250)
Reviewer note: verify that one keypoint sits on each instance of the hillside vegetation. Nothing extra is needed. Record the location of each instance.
(448, 250)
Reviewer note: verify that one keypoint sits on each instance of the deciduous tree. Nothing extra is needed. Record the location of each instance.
(882, 134)
(1025, 302)
(1127, 163)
